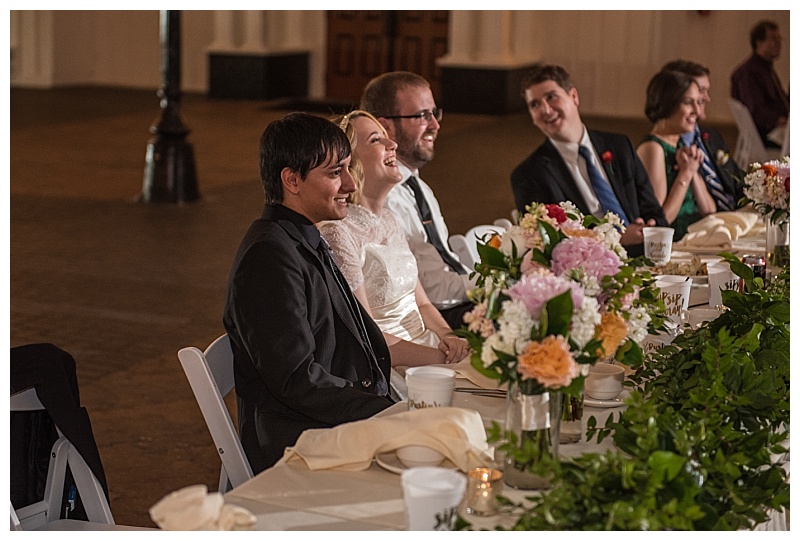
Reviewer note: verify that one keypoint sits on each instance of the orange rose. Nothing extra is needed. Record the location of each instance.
(613, 330)
(495, 241)
(577, 232)
(769, 169)
(549, 362)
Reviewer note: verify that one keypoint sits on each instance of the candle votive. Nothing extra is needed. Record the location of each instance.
(483, 487)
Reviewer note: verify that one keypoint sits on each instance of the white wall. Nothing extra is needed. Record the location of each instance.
(611, 54)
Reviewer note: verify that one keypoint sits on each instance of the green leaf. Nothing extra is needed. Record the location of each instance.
(557, 313)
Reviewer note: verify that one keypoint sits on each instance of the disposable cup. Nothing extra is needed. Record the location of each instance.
(658, 244)
(720, 278)
(432, 497)
(675, 296)
(430, 386)
(694, 317)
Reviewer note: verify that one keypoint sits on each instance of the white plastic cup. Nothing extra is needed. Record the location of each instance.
(604, 381)
(694, 317)
(432, 497)
(430, 387)
(675, 296)
(658, 243)
(720, 278)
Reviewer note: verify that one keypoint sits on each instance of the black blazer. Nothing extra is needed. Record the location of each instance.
(299, 362)
(727, 170)
(543, 177)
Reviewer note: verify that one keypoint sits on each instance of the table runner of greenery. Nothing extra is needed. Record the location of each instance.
(702, 442)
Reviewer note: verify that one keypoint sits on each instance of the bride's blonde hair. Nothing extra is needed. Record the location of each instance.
(345, 123)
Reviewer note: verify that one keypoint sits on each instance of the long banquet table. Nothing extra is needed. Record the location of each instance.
(291, 497)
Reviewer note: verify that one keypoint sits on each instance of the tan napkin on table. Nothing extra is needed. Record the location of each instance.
(457, 433)
(465, 369)
(193, 508)
(716, 232)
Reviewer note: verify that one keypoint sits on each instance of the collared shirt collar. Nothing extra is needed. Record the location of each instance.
(570, 149)
(690, 137)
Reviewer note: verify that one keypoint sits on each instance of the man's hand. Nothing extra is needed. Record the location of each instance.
(633, 233)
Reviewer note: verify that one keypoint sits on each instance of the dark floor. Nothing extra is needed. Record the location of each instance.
(124, 285)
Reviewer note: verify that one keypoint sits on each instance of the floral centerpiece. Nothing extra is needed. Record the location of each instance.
(766, 186)
(556, 294)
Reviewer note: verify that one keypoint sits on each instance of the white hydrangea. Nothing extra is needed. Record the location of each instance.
(637, 324)
(585, 321)
(494, 342)
(515, 322)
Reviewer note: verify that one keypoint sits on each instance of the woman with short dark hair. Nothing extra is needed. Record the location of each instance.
(672, 106)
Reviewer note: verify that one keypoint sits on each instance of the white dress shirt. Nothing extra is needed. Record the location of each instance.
(577, 167)
(444, 287)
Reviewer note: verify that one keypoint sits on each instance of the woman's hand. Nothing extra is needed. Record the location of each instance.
(689, 159)
(454, 348)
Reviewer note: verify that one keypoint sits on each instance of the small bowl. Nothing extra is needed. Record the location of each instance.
(413, 456)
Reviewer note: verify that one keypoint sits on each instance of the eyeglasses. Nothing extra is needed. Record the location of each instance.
(424, 116)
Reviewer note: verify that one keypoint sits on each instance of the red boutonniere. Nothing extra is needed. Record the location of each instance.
(607, 156)
(705, 136)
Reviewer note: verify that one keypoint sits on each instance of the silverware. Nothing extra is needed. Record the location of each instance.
(492, 393)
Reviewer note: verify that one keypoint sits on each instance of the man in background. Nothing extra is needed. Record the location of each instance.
(597, 171)
(756, 85)
(403, 103)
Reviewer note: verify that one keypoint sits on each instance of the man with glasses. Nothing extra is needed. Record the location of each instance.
(403, 103)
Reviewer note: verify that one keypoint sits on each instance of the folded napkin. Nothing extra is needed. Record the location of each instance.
(716, 232)
(193, 508)
(457, 433)
(465, 370)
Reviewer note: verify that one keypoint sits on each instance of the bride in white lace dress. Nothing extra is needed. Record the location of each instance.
(374, 256)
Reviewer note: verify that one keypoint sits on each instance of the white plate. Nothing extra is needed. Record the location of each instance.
(613, 403)
(390, 462)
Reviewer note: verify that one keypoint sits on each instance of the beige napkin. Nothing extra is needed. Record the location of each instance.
(192, 508)
(457, 433)
(465, 370)
(716, 232)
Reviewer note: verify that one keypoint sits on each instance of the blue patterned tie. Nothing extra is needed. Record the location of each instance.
(602, 189)
(723, 200)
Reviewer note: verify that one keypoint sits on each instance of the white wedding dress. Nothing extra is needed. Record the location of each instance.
(373, 251)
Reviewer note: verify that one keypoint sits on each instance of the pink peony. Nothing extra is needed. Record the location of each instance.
(533, 291)
(581, 252)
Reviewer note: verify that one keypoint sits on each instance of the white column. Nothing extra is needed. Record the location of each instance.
(34, 49)
(223, 32)
(483, 39)
(253, 32)
(294, 34)
(495, 38)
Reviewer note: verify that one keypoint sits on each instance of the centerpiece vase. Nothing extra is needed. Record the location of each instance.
(777, 246)
(532, 434)
(571, 429)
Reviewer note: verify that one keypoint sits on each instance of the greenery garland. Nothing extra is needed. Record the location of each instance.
(702, 442)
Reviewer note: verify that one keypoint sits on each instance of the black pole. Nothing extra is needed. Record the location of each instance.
(169, 171)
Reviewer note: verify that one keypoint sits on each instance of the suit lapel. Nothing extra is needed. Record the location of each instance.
(334, 293)
(562, 177)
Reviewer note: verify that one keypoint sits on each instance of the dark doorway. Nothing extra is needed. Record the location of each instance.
(364, 44)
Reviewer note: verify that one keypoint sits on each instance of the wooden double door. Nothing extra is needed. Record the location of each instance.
(364, 44)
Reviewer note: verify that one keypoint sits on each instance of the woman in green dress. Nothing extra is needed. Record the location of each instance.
(672, 103)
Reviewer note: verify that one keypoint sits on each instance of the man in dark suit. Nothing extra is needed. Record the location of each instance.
(597, 171)
(710, 141)
(306, 354)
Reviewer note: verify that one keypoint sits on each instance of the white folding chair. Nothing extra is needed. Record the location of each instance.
(478, 233)
(505, 223)
(38, 514)
(210, 374)
(749, 146)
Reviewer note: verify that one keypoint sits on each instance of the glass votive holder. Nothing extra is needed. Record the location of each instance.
(483, 487)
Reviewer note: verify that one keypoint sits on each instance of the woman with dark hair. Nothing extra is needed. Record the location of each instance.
(672, 105)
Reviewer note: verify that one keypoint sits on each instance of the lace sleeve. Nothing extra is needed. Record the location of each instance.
(347, 252)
